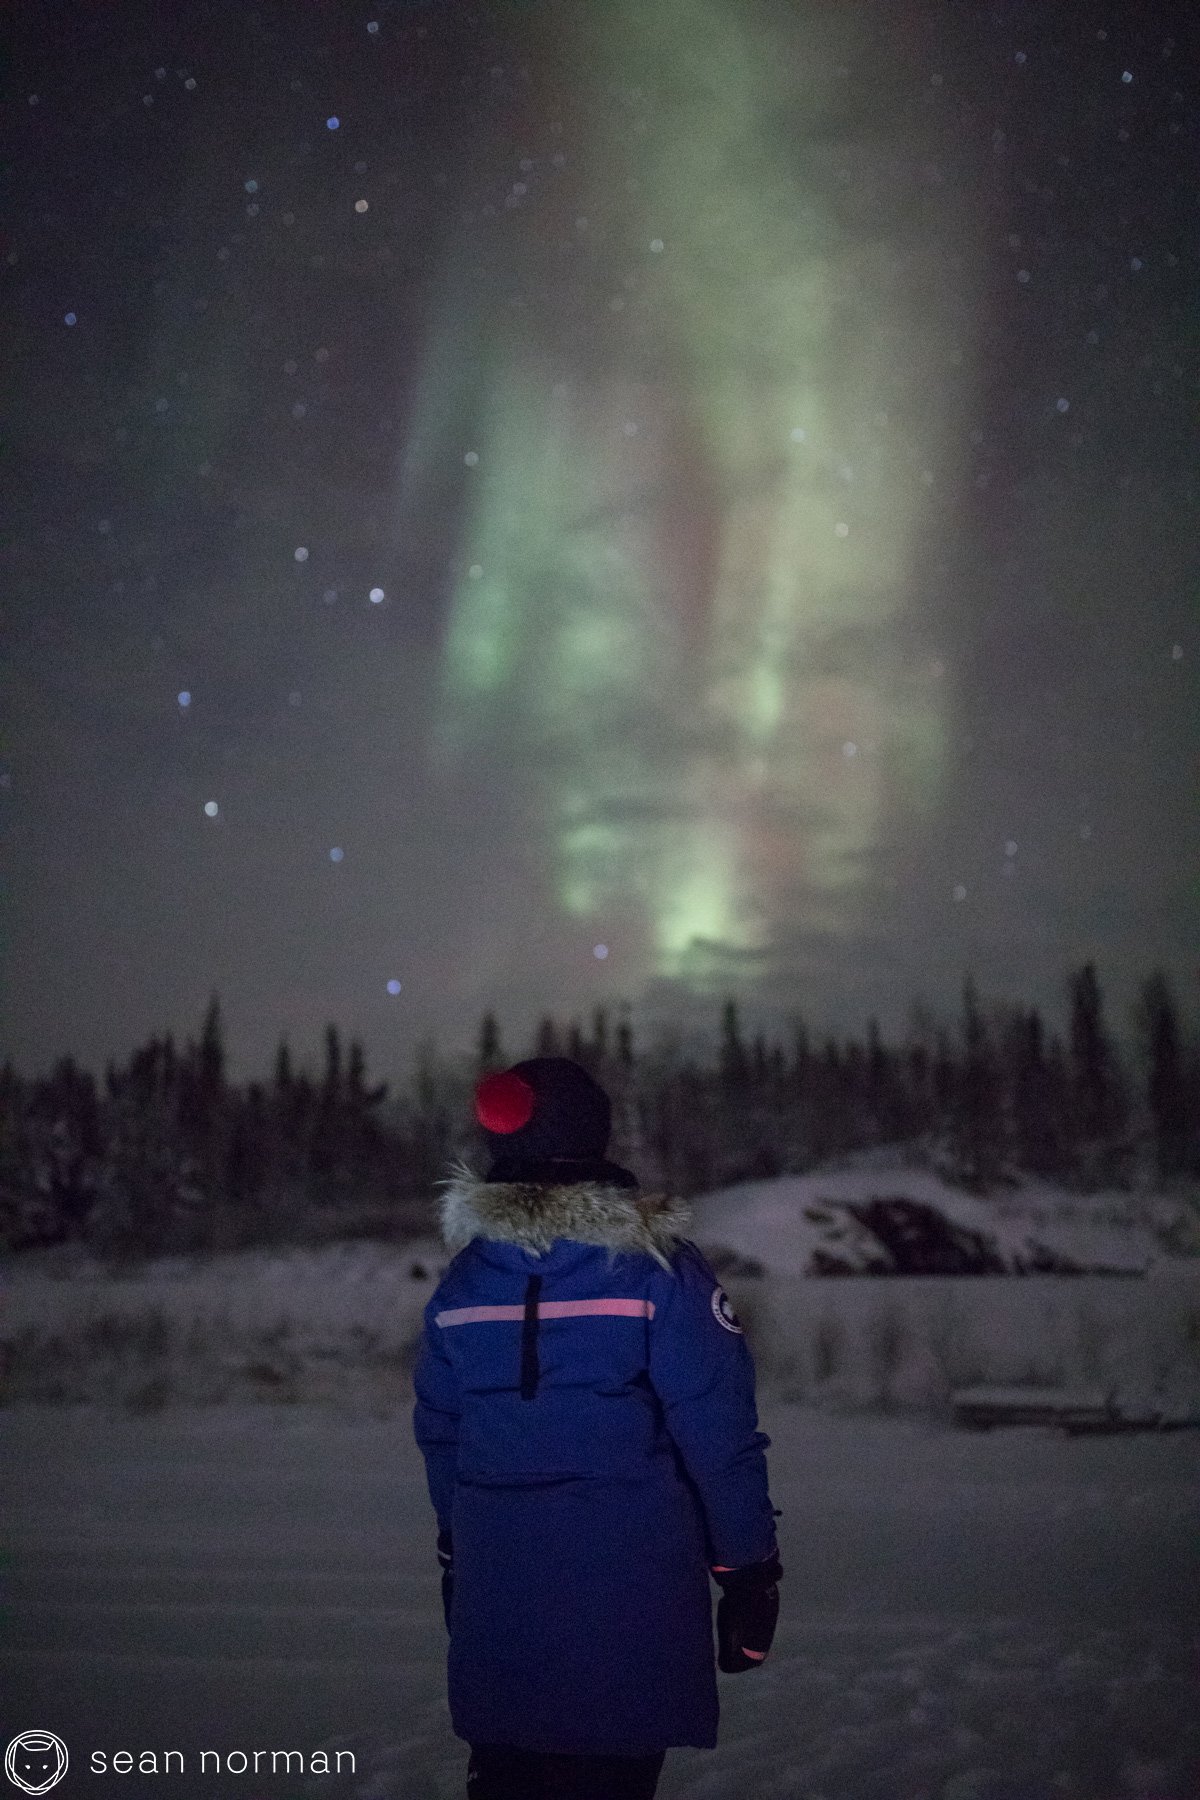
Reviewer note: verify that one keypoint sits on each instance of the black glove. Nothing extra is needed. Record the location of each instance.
(445, 1550)
(747, 1613)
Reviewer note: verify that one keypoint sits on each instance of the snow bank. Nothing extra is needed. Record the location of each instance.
(340, 1324)
(1133, 1333)
(335, 1323)
(911, 1343)
(791, 1222)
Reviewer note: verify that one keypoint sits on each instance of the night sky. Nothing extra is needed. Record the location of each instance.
(532, 505)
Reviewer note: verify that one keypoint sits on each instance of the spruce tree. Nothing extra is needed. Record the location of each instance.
(331, 1086)
(1037, 1128)
(880, 1090)
(599, 1045)
(211, 1062)
(625, 1051)
(801, 1060)
(945, 1078)
(327, 1125)
(1097, 1096)
(977, 1131)
(1166, 1083)
(489, 1054)
(734, 1064)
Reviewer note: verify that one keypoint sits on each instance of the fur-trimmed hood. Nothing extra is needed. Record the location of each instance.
(532, 1216)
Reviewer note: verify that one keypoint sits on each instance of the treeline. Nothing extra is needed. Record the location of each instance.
(167, 1154)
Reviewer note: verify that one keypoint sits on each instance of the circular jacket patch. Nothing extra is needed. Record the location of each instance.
(723, 1311)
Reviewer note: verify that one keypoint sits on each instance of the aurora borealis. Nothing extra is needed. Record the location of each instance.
(689, 488)
(742, 456)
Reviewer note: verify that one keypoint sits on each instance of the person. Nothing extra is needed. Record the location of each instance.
(585, 1406)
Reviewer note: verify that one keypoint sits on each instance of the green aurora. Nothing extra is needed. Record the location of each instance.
(683, 364)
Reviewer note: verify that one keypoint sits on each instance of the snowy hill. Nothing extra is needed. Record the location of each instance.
(875, 1214)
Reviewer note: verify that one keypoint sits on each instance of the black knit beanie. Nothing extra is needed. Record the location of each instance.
(546, 1121)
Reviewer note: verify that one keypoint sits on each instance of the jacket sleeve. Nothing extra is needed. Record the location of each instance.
(436, 1417)
(703, 1373)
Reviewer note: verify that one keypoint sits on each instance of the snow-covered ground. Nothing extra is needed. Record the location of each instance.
(339, 1323)
(336, 1324)
(1005, 1617)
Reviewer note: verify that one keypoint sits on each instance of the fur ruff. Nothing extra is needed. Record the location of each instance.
(621, 1220)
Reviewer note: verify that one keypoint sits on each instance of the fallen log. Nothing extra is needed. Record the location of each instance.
(1073, 1410)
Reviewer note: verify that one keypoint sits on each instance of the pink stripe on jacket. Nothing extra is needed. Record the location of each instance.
(548, 1309)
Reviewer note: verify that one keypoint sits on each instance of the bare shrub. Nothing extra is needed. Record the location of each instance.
(1093, 1336)
(828, 1350)
(144, 1336)
(150, 1396)
(954, 1345)
(888, 1338)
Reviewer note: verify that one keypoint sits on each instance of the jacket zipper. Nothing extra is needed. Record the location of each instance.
(529, 1331)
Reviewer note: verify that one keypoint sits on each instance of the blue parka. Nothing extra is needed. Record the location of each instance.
(585, 1406)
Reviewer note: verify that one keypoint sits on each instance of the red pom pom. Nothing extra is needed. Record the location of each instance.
(504, 1103)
